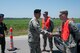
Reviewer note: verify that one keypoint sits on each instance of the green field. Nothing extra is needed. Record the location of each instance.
(20, 25)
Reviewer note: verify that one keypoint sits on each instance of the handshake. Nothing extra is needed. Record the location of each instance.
(47, 33)
(44, 32)
(50, 34)
(54, 34)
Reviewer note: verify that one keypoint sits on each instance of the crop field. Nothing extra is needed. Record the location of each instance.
(20, 25)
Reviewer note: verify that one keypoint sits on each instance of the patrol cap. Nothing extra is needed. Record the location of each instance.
(46, 12)
(1, 15)
(37, 10)
(64, 12)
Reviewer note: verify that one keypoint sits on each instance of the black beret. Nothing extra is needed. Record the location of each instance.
(1, 15)
(37, 11)
(64, 12)
(46, 12)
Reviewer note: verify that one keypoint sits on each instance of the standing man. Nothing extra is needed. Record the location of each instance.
(2, 35)
(69, 33)
(47, 24)
(34, 32)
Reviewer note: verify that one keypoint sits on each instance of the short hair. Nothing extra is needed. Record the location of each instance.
(1, 15)
(46, 12)
(64, 12)
(37, 11)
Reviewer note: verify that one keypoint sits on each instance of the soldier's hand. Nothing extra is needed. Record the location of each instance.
(1, 35)
(50, 35)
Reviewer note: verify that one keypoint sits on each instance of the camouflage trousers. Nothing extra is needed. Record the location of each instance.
(35, 47)
(50, 40)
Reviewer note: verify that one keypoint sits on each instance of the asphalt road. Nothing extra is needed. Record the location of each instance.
(21, 43)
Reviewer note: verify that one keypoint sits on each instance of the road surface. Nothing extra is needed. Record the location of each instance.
(21, 42)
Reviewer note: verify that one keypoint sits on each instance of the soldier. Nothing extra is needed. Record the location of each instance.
(2, 35)
(34, 32)
(69, 33)
(47, 24)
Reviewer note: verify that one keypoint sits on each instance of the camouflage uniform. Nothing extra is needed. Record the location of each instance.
(2, 39)
(70, 46)
(34, 36)
(74, 37)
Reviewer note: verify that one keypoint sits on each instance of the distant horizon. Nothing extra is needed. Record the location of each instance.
(30, 17)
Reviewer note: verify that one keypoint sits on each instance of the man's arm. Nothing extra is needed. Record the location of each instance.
(73, 27)
(38, 29)
(52, 25)
(6, 30)
(74, 30)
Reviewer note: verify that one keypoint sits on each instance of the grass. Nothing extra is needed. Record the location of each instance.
(20, 25)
